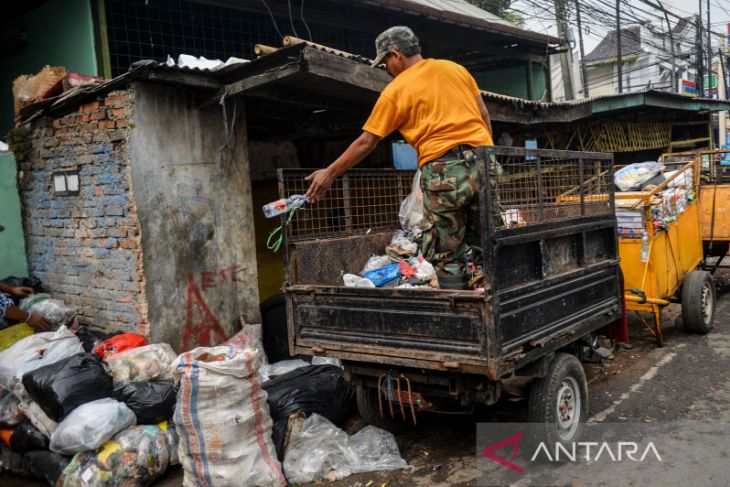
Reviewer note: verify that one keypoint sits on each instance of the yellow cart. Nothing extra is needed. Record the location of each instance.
(669, 214)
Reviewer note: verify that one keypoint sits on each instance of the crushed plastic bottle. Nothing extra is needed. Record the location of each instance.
(644, 246)
(285, 204)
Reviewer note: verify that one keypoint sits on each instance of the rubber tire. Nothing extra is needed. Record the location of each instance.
(692, 309)
(543, 397)
(367, 405)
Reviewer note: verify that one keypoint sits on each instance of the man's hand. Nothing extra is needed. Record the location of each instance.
(22, 291)
(38, 322)
(320, 182)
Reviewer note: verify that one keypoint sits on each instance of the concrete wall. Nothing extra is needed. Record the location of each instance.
(196, 220)
(85, 248)
(60, 33)
(12, 243)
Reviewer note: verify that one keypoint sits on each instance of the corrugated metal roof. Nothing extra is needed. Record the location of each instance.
(606, 49)
(462, 7)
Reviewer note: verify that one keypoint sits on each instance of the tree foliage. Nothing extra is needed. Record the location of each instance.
(501, 8)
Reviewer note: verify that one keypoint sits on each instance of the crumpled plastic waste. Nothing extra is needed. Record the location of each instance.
(38, 418)
(91, 425)
(631, 177)
(27, 438)
(119, 343)
(55, 311)
(10, 413)
(322, 450)
(353, 280)
(385, 275)
(141, 364)
(45, 466)
(410, 214)
(285, 366)
(151, 402)
(136, 456)
(317, 360)
(401, 247)
(376, 262)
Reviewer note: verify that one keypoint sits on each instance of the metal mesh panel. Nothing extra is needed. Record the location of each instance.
(359, 202)
(542, 186)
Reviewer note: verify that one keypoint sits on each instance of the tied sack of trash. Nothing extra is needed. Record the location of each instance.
(60, 387)
(91, 338)
(321, 450)
(45, 466)
(319, 389)
(38, 418)
(10, 413)
(91, 425)
(119, 343)
(12, 334)
(631, 177)
(55, 311)
(36, 351)
(151, 402)
(135, 457)
(140, 364)
(26, 437)
(222, 419)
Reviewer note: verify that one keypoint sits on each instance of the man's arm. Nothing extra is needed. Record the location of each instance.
(485, 113)
(321, 180)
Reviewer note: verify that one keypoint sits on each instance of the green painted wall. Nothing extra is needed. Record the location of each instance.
(60, 33)
(512, 81)
(12, 243)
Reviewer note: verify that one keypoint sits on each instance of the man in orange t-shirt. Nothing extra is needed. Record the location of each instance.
(437, 107)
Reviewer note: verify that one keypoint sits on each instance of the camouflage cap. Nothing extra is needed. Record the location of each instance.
(396, 38)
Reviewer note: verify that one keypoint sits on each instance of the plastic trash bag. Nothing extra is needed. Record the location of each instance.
(60, 387)
(172, 441)
(401, 247)
(12, 334)
(135, 457)
(45, 466)
(251, 337)
(26, 437)
(385, 275)
(376, 262)
(222, 419)
(285, 366)
(12, 462)
(322, 450)
(36, 351)
(54, 311)
(151, 402)
(352, 280)
(90, 425)
(38, 418)
(10, 413)
(317, 360)
(631, 177)
(319, 389)
(90, 338)
(140, 364)
(410, 214)
(119, 343)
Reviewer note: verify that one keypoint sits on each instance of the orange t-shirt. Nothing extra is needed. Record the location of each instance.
(433, 105)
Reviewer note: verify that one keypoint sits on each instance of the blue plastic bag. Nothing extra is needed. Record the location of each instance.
(383, 276)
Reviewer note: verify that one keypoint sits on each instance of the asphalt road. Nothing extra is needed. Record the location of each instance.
(687, 380)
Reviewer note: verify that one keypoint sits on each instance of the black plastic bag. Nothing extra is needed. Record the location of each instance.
(317, 389)
(45, 466)
(60, 387)
(91, 338)
(27, 438)
(31, 282)
(152, 402)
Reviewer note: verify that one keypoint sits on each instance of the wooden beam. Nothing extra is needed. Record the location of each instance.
(276, 73)
(345, 70)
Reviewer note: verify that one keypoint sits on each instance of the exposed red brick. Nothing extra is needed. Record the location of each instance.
(100, 115)
(90, 107)
(122, 124)
(115, 100)
(49, 132)
(62, 131)
(57, 123)
(128, 244)
(89, 127)
(85, 118)
(125, 299)
(99, 191)
(119, 112)
(106, 124)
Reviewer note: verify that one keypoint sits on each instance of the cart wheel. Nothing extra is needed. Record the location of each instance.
(698, 302)
(559, 401)
(367, 406)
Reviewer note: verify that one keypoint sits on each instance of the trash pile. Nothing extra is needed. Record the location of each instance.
(86, 412)
(400, 267)
(666, 204)
(83, 409)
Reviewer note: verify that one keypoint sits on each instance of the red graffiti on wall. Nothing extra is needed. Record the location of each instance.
(205, 330)
(221, 276)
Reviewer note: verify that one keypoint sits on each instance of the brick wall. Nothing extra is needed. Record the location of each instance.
(85, 248)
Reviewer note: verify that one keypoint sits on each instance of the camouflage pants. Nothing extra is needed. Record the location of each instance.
(451, 226)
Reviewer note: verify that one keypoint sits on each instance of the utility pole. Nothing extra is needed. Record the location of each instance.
(698, 45)
(619, 60)
(722, 95)
(582, 50)
(566, 57)
(671, 42)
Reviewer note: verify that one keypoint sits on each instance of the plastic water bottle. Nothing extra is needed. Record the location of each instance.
(285, 204)
(644, 246)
